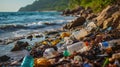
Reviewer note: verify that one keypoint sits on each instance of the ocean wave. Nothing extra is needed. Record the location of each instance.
(10, 26)
(33, 25)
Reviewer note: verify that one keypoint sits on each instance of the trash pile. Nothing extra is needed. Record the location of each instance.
(88, 47)
(77, 48)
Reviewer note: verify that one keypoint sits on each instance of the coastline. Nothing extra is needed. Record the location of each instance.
(87, 35)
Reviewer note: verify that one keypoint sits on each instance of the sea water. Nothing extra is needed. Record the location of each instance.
(15, 24)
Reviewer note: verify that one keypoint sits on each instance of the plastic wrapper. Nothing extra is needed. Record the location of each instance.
(55, 42)
(65, 34)
(42, 62)
(44, 42)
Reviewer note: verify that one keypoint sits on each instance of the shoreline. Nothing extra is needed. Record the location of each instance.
(79, 38)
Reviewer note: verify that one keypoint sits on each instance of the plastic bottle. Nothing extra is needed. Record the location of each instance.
(66, 53)
(49, 53)
(28, 61)
(79, 46)
(105, 44)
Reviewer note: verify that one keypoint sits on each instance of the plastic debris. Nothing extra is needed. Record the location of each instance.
(42, 62)
(49, 53)
(66, 53)
(80, 34)
(28, 61)
(65, 34)
(75, 47)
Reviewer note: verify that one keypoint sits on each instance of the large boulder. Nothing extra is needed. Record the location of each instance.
(19, 45)
(109, 17)
(77, 22)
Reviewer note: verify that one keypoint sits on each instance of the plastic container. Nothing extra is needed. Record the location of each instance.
(49, 53)
(28, 61)
(76, 47)
(80, 34)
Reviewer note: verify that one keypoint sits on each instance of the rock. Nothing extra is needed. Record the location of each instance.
(116, 19)
(73, 12)
(76, 10)
(51, 32)
(118, 27)
(1, 41)
(109, 17)
(19, 45)
(8, 41)
(85, 15)
(77, 22)
(38, 36)
(91, 16)
(86, 12)
(4, 58)
(47, 23)
(29, 37)
(66, 12)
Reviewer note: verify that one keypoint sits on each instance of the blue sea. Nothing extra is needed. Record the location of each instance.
(16, 24)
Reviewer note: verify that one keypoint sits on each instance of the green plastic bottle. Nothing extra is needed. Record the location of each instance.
(28, 61)
(66, 53)
(105, 62)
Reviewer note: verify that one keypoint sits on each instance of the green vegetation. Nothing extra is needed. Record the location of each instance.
(96, 5)
(58, 5)
(46, 5)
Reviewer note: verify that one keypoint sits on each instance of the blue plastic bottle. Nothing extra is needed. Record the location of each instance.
(105, 44)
